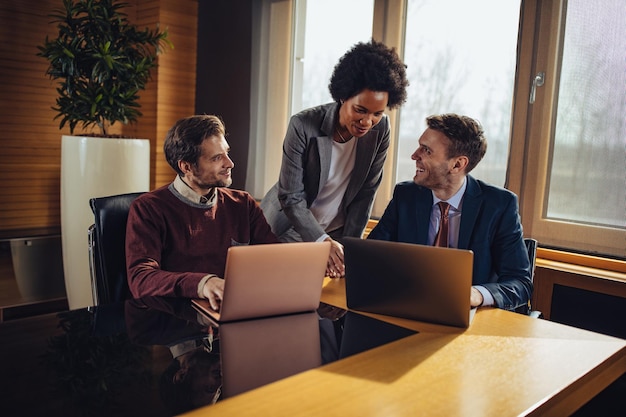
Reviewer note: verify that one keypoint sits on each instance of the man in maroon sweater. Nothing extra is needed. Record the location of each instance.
(177, 236)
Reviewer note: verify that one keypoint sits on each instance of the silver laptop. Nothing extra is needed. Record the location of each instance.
(270, 280)
(419, 282)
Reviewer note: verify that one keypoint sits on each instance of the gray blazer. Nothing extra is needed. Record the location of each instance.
(307, 151)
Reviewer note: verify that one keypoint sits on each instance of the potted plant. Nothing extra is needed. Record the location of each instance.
(101, 62)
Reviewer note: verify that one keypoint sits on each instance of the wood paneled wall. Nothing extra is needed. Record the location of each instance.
(30, 145)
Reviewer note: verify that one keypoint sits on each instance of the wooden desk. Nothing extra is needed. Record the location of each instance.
(505, 364)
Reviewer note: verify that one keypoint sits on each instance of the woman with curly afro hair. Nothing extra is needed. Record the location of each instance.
(333, 154)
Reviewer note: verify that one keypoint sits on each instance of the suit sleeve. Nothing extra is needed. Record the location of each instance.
(511, 285)
(387, 227)
(292, 193)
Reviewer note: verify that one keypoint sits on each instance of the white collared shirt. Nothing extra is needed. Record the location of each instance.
(187, 192)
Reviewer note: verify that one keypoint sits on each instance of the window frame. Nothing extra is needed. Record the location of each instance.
(539, 46)
(540, 50)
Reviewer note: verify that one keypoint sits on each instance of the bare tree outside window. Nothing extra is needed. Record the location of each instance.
(461, 58)
(326, 39)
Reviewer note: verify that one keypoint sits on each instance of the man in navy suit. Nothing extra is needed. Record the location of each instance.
(482, 217)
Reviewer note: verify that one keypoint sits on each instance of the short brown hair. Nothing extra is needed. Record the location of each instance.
(183, 140)
(466, 134)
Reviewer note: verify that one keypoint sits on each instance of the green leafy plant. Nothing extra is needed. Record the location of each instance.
(101, 61)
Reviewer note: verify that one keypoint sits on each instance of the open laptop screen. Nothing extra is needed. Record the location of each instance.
(418, 282)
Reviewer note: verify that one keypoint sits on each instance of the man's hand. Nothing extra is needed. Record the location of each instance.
(335, 267)
(476, 298)
(213, 291)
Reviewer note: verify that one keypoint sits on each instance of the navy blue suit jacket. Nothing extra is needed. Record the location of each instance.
(490, 227)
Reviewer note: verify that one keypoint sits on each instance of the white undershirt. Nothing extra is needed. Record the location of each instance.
(325, 208)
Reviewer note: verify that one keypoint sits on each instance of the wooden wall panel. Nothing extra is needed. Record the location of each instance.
(145, 14)
(177, 76)
(31, 139)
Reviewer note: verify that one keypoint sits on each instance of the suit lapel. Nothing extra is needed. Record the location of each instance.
(472, 201)
(325, 143)
(423, 206)
(325, 148)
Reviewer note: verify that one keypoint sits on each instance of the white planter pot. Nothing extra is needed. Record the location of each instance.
(93, 167)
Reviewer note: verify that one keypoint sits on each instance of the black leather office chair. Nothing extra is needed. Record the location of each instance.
(531, 247)
(107, 254)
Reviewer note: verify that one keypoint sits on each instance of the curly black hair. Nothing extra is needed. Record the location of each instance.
(374, 66)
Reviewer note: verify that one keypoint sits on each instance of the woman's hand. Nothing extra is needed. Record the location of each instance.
(335, 267)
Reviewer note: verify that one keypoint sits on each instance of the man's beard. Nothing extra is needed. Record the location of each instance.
(223, 184)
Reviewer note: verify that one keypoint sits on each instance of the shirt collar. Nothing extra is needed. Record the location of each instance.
(184, 347)
(456, 199)
(188, 193)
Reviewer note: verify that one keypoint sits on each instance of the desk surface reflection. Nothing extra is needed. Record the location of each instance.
(160, 357)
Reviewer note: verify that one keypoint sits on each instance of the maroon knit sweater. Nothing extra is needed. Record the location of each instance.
(171, 243)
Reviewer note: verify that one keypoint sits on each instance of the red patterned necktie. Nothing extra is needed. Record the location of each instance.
(442, 235)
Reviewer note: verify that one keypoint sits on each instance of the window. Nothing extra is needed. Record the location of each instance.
(461, 58)
(298, 43)
(564, 154)
(590, 130)
(321, 39)
(574, 192)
